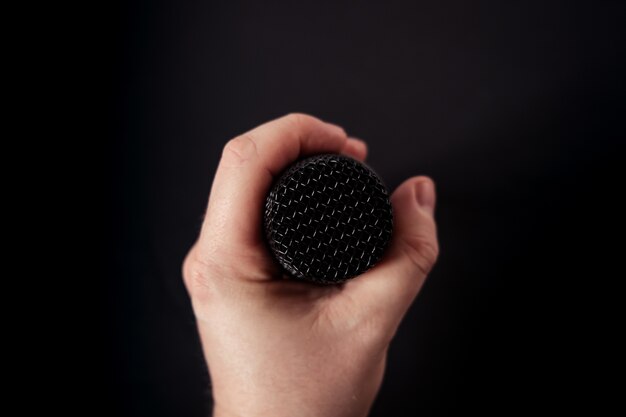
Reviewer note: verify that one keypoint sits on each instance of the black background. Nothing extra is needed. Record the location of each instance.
(512, 107)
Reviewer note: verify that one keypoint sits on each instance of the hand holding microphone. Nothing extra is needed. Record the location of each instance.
(276, 345)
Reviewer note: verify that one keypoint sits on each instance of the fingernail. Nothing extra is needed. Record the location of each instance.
(425, 192)
(359, 144)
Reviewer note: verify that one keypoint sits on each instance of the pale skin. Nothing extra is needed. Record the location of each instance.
(278, 347)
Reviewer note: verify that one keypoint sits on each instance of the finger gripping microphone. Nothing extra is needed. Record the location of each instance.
(328, 219)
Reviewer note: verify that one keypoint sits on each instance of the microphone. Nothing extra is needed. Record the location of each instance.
(328, 219)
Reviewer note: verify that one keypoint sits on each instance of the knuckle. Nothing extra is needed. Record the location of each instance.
(423, 252)
(239, 150)
(195, 278)
(300, 119)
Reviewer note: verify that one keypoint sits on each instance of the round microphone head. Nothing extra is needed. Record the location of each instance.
(328, 219)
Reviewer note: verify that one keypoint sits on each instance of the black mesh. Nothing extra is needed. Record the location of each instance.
(328, 219)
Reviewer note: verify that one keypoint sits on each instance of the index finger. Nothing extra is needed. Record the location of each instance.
(248, 166)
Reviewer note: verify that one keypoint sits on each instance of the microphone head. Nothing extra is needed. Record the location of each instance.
(328, 219)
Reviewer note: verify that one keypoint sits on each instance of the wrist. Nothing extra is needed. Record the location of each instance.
(299, 397)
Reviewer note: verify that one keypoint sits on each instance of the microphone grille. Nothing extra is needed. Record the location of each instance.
(328, 218)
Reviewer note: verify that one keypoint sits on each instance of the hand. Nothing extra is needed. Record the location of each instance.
(279, 347)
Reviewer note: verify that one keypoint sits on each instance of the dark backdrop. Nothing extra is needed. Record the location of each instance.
(512, 107)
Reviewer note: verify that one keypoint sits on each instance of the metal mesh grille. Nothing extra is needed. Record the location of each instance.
(328, 219)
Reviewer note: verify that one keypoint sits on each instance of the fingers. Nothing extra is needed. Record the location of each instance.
(390, 287)
(246, 171)
(355, 148)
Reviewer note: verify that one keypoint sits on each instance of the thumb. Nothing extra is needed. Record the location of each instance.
(390, 287)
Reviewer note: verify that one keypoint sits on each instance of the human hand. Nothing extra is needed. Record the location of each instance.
(279, 347)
